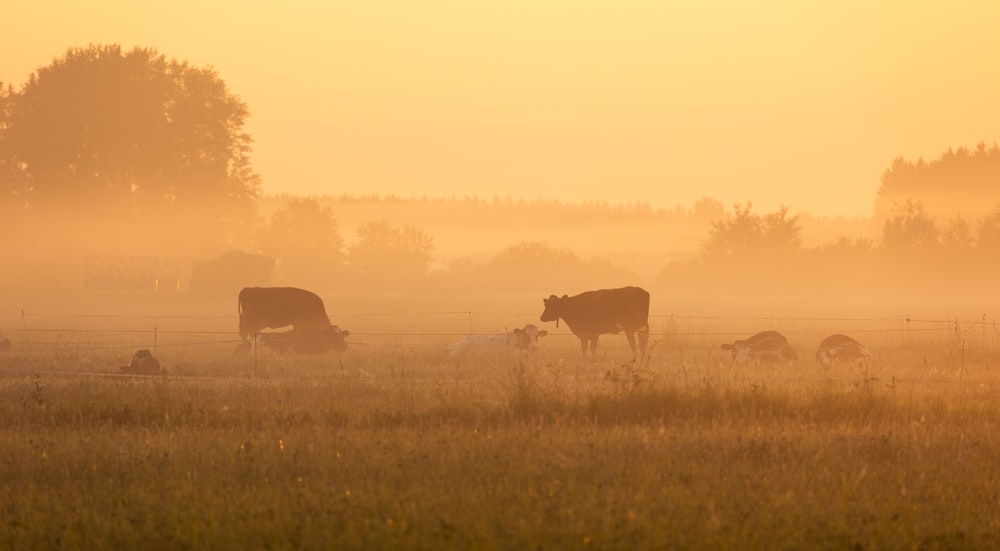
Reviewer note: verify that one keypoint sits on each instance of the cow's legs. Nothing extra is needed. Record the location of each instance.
(631, 341)
(593, 345)
(643, 339)
(583, 345)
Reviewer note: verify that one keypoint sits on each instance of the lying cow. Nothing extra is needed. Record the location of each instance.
(841, 349)
(765, 347)
(520, 340)
(307, 341)
(143, 363)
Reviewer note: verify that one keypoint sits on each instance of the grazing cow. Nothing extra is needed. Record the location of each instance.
(276, 307)
(307, 340)
(610, 311)
(143, 363)
(841, 348)
(520, 340)
(766, 346)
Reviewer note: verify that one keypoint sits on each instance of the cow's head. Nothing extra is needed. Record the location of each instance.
(337, 336)
(527, 338)
(554, 308)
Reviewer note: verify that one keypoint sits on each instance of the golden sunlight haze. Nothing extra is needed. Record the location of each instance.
(776, 103)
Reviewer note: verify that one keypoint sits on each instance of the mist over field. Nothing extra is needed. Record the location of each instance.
(370, 254)
(811, 380)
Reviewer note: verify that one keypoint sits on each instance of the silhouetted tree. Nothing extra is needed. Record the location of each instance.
(989, 233)
(129, 137)
(9, 209)
(305, 239)
(533, 265)
(742, 233)
(383, 251)
(708, 209)
(529, 259)
(961, 180)
(909, 228)
(957, 234)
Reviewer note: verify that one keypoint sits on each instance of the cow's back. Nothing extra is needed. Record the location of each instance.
(608, 310)
(275, 307)
(836, 340)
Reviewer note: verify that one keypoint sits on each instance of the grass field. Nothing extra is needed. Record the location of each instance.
(396, 445)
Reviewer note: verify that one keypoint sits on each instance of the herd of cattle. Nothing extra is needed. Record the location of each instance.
(588, 316)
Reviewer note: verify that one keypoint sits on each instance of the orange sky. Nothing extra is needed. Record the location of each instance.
(781, 101)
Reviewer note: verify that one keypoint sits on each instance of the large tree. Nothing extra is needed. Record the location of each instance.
(910, 229)
(745, 234)
(128, 137)
(304, 237)
(385, 252)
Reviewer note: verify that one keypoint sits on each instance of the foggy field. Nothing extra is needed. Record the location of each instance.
(386, 180)
(395, 444)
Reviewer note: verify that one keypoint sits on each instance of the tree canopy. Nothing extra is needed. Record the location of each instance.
(961, 181)
(383, 251)
(744, 233)
(127, 137)
(305, 238)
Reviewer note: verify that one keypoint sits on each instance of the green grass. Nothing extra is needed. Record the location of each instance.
(402, 447)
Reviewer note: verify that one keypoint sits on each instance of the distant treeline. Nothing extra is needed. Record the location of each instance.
(472, 207)
(109, 153)
(961, 183)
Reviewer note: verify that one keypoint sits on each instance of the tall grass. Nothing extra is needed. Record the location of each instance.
(396, 447)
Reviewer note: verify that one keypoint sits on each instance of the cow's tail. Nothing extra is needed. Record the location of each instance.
(239, 310)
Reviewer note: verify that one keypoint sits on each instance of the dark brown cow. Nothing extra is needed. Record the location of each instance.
(277, 307)
(766, 346)
(607, 311)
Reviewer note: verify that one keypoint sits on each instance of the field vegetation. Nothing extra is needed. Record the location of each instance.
(127, 185)
(394, 444)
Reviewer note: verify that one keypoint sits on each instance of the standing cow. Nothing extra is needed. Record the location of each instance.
(275, 307)
(611, 311)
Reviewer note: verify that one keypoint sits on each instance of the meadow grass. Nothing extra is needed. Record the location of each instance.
(397, 446)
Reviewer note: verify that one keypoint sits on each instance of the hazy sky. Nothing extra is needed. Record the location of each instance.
(780, 101)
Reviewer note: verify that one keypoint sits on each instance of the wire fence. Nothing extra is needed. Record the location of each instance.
(56, 335)
(52, 331)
